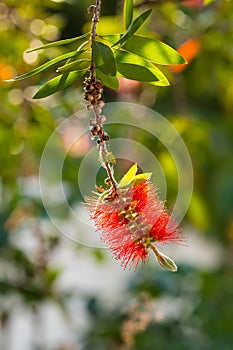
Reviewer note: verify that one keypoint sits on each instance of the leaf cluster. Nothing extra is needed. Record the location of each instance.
(127, 55)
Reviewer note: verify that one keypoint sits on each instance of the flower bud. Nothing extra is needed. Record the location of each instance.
(97, 109)
(101, 104)
(92, 121)
(165, 262)
(102, 119)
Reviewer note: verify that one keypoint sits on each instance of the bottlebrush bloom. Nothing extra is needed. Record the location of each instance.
(134, 221)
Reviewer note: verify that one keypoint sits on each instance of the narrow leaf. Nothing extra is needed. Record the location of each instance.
(60, 42)
(104, 58)
(137, 23)
(74, 66)
(47, 65)
(108, 80)
(129, 176)
(128, 12)
(58, 83)
(134, 67)
(111, 38)
(143, 176)
(135, 72)
(151, 49)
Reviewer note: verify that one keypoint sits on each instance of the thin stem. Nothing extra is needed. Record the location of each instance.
(155, 250)
(111, 178)
(95, 19)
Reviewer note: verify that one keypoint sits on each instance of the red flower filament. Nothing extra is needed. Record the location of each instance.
(133, 222)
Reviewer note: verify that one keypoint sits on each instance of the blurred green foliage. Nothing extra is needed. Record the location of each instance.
(199, 103)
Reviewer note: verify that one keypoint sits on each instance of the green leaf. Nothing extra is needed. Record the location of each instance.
(208, 2)
(147, 75)
(137, 23)
(128, 12)
(47, 65)
(151, 49)
(51, 275)
(133, 67)
(143, 176)
(60, 42)
(58, 83)
(82, 63)
(108, 80)
(111, 38)
(104, 58)
(129, 176)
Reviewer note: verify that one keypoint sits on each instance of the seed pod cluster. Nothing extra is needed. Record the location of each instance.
(98, 131)
(93, 90)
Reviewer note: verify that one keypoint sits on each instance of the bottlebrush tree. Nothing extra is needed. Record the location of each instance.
(129, 214)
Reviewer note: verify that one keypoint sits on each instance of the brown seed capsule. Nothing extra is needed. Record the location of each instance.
(98, 84)
(91, 9)
(105, 136)
(95, 130)
(89, 97)
(98, 96)
(89, 87)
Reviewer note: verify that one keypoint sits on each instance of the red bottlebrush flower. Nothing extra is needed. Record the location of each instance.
(133, 221)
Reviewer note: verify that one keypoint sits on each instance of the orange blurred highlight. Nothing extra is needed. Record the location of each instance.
(198, 4)
(188, 50)
(6, 71)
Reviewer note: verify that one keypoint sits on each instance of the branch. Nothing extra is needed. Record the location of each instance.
(93, 94)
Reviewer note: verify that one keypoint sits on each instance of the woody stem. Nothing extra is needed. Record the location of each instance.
(95, 20)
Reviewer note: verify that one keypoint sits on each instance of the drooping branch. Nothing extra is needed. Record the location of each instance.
(93, 94)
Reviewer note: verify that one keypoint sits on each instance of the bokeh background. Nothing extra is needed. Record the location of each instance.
(56, 294)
